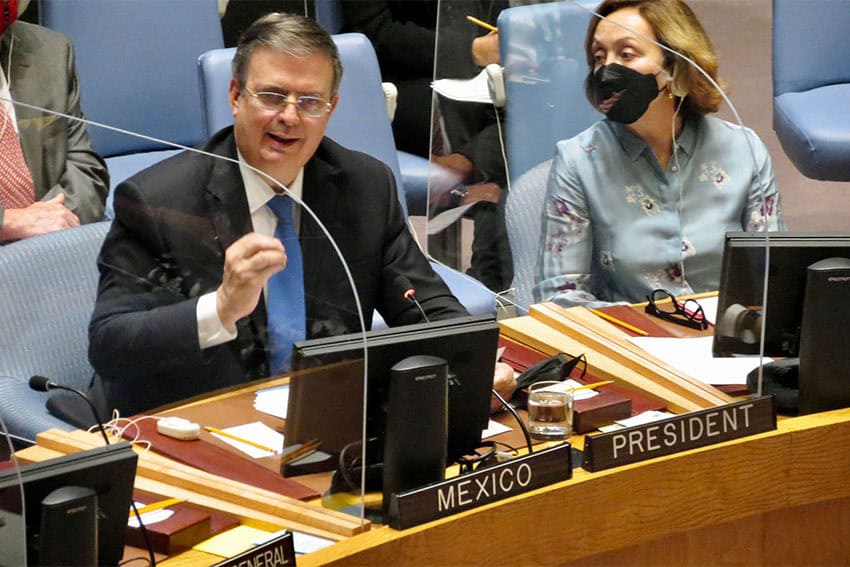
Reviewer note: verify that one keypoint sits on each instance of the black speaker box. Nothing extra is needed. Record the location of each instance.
(68, 534)
(417, 424)
(824, 354)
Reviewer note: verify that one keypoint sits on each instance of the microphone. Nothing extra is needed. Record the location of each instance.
(45, 384)
(410, 294)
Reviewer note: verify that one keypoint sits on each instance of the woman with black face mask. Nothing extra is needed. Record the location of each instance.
(642, 199)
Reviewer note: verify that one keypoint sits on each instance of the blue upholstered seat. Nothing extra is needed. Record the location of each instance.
(542, 51)
(136, 63)
(49, 289)
(811, 85)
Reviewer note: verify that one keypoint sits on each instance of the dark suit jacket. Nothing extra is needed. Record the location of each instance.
(58, 152)
(166, 247)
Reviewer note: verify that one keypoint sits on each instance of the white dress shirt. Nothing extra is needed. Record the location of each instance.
(211, 331)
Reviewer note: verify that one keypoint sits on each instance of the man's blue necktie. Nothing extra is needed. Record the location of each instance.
(287, 317)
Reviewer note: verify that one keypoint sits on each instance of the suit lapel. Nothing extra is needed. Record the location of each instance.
(320, 194)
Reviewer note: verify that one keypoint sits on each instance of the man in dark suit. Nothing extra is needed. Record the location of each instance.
(69, 180)
(183, 301)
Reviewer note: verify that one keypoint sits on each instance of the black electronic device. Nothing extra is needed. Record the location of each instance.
(415, 439)
(68, 532)
(107, 471)
(326, 392)
(740, 303)
(807, 305)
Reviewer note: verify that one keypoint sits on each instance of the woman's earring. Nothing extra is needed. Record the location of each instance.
(669, 94)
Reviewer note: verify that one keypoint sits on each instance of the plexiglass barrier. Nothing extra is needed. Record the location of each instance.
(626, 163)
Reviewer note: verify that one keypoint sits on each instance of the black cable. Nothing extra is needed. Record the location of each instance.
(43, 384)
(519, 420)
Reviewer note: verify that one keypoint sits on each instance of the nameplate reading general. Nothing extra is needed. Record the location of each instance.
(467, 491)
(680, 433)
(278, 552)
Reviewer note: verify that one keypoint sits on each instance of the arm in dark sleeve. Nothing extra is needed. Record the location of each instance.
(143, 324)
(403, 47)
(85, 180)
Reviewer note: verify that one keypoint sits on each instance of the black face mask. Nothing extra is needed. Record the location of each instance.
(625, 92)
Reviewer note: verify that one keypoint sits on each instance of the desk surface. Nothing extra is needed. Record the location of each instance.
(775, 498)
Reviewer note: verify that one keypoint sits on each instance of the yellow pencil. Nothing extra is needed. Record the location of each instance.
(593, 385)
(157, 506)
(240, 439)
(484, 25)
(305, 449)
(616, 321)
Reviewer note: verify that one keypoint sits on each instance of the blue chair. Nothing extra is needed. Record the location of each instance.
(136, 63)
(811, 85)
(542, 51)
(360, 122)
(415, 170)
(49, 289)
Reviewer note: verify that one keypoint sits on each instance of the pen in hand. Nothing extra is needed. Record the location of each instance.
(483, 24)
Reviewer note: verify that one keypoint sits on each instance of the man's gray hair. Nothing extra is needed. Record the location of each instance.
(286, 33)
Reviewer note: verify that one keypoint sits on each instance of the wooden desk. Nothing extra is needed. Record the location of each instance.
(780, 498)
(775, 499)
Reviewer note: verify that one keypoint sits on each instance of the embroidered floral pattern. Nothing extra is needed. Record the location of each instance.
(711, 171)
(571, 230)
(688, 249)
(636, 195)
(673, 272)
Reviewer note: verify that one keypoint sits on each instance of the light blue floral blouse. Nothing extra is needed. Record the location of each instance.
(616, 226)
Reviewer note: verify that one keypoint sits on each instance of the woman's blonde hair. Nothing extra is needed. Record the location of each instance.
(677, 27)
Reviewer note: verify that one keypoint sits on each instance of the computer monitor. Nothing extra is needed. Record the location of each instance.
(109, 471)
(326, 388)
(740, 309)
(807, 307)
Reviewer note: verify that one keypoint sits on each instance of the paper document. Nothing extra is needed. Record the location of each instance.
(468, 90)
(256, 433)
(494, 428)
(439, 223)
(693, 358)
(273, 401)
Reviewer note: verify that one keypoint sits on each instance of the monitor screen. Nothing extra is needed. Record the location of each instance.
(740, 310)
(326, 389)
(109, 471)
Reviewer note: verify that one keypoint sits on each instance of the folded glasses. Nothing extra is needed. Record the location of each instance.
(664, 305)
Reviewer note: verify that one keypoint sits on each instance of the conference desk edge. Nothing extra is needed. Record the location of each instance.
(801, 464)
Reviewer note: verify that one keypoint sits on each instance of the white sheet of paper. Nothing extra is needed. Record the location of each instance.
(469, 90)
(257, 432)
(494, 428)
(709, 307)
(693, 357)
(149, 518)
(303, 543)
(645, 417)
(273, 401)
(570, 383)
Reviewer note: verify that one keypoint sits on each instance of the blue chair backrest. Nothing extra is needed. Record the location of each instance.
(49, 289)
(545, 103)
(136, 64)
(811, 44)
(360, 121)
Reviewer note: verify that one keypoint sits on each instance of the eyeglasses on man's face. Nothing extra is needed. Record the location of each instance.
(664, 305)
(306, 105)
